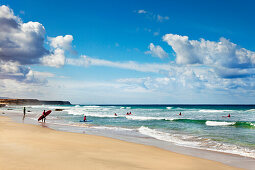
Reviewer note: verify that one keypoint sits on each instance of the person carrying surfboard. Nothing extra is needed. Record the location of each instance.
(85, 118)
(44, 117)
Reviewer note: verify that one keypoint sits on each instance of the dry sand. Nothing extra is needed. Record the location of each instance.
(24, 146)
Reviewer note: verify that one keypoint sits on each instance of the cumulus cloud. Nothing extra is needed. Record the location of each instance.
(55, 59)
(63, 42)
(156, 51)
(22, 42)
(224, 56)
(60, 44)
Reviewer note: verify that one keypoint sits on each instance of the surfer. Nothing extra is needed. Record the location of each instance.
(115, 114)
(227, 115)
(180, 113)
(85, 118)
(44, 117)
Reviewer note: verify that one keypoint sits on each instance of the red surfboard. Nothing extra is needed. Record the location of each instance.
(44, 115)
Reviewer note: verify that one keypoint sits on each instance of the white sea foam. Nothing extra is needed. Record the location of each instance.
(81, 112)
(169, 108)
(111, 128)
(100, 115)
(215, 123)
(147, 118)
(177, 139)
(91, 106)
(206, 144)
(213, 111)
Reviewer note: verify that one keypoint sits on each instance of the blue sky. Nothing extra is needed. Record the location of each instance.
(128, 51)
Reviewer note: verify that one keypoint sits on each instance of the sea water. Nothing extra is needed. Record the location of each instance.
(198, 126)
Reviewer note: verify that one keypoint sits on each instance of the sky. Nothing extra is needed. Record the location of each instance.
(128, 52)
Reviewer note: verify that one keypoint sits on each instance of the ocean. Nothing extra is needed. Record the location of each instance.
(199, 126)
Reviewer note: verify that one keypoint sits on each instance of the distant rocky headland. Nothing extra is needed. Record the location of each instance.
(4, 102)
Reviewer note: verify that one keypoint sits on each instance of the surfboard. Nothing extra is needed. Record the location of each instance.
(86, 121)
(44, 115)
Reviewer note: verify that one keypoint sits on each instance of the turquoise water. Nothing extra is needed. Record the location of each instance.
(199, 126)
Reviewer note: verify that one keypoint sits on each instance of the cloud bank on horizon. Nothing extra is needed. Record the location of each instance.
(199, 68)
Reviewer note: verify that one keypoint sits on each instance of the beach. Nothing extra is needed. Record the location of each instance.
(25, 146)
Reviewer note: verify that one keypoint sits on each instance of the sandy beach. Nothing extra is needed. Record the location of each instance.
(24, 146)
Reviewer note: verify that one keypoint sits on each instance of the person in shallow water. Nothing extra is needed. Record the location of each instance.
(44, 117)
(115, 114)
(180, 113)
(84, 119)
(227, 115)
(24, 111)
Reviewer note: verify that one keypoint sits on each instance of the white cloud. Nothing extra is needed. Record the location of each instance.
(24, 42)
(156, 33)
(21, 42)
(60, 45)
(6, 12)
(141, 11)
(56, 59)
(63, 42)
(162, 18)
(152, 15)
(130, 65)
(156, 51)
(38, 77)
(175, 79)
(16, 89)
(223, 55)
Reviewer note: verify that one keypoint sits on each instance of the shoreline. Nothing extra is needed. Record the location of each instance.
(229, 159)
(29, 144)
